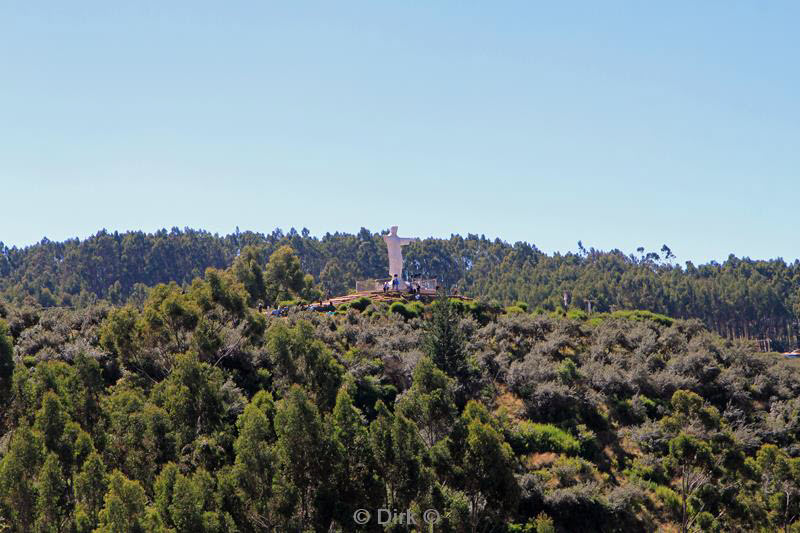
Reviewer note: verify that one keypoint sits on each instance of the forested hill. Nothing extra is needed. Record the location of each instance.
(738, 298)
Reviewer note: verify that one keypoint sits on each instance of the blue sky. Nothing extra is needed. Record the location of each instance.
(616, 123)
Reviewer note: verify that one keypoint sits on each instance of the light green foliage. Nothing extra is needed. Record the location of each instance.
(669, 499)
(119, 336)
(185, 502)
(124, 506)
(254, 466)
(354, 484)
(360, 303)
(139, 436)
(299, 358)
(247, 268)
(780, 484)
(529, 437)
(90, 488)
(407, 310)
(17, 477)
(285, 279)
(567, 371)
(577, 314)
(51, 488)
(198, 405)
(644, 315)
(541, 524)
(488, 471)
(700, 453)
(51, 421)
(430, 401)
(397, 450)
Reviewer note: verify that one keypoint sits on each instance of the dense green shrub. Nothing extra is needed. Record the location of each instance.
(530, 437)
(480, 311)
(361, 303)
(577, 314)
(669, 499)
(644, 315)
(407, 310)
(292, 303)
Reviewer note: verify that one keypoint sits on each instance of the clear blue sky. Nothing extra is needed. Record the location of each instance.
(617, 123)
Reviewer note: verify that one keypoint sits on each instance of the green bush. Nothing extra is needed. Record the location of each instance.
(530, 437)
(596, 319)
(544, 524)
(541, 524)
(361, 303)
(577, 314)
(480, 311)
(459, 305)
(292, 303)
(644, 315)
(511, 309)
(521, 305)
(567, 371)
(668, 498)
(407, 311)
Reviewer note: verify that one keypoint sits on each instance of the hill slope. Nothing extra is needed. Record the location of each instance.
(200, 413)
(739, 298)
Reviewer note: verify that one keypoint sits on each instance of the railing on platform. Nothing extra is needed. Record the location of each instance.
(369, 285)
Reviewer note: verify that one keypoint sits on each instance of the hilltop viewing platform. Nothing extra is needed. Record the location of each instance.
(389, 296)
(394, 288)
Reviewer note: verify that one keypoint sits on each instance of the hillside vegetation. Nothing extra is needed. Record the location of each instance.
(738, 298)
(188, 410)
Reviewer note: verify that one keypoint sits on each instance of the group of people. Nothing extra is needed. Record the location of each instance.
(328, 308)
(413, 288)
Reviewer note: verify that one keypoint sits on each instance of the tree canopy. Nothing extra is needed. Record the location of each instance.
(185, 406)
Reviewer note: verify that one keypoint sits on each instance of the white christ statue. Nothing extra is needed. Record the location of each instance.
(394, 246)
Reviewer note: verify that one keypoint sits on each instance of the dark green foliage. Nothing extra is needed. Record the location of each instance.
(302, 450)
(739, 297)
(285, 279)
(299, 358)
(51, 502)
(430, 402)
(18, 478)
(185, 409)
(248, 269)
(444, 340)
(6, 361)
